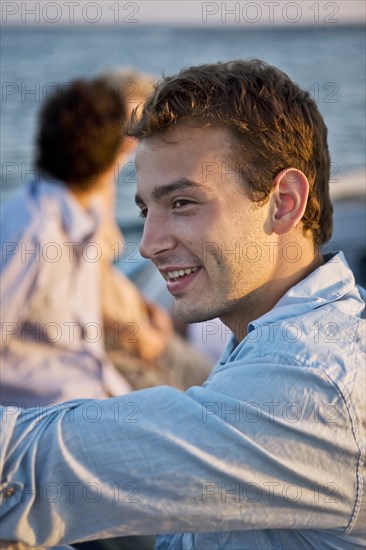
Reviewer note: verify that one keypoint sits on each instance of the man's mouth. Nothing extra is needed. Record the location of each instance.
(178, 280)
(176, 275)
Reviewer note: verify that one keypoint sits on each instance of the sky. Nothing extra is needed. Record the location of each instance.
(182, 12)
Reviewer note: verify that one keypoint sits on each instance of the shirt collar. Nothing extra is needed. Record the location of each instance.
(79, 224)
(326, 284)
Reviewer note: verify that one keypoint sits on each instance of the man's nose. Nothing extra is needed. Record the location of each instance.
(156, 238)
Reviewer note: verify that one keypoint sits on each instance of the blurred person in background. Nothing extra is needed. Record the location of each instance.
(52, 345)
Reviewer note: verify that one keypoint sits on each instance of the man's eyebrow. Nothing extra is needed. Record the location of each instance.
(161, 191)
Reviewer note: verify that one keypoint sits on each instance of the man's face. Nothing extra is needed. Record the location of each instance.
(206, 237)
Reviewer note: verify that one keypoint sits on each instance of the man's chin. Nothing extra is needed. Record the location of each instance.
(192, 314)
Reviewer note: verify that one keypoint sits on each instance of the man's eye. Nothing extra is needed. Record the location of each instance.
(143, 213)
(181, 202)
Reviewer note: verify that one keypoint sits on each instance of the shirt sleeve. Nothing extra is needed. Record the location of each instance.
(232, 455)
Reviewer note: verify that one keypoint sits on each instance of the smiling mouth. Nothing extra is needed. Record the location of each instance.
(177, 275)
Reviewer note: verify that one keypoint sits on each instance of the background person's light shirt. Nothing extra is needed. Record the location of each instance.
(268, 454)
(52, 346)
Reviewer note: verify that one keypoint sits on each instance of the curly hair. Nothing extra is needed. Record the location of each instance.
(80, 130)
(272, 122)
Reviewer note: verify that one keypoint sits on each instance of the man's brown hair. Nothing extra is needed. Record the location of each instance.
(273, 124)
(79, 132)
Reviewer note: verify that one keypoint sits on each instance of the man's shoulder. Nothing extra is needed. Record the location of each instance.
(314, 361)
(329, 340)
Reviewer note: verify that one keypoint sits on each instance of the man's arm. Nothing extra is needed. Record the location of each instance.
(162, 461)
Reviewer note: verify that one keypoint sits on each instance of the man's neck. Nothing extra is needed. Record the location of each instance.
(263, 299)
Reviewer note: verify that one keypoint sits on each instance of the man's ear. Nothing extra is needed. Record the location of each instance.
(288, 200)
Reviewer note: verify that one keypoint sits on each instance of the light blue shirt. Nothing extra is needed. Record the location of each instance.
(268, 454)
(52, 347)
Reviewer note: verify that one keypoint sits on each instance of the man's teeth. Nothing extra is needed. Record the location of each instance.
(181, 272)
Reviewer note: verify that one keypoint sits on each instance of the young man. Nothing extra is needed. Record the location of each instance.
(233, 172)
